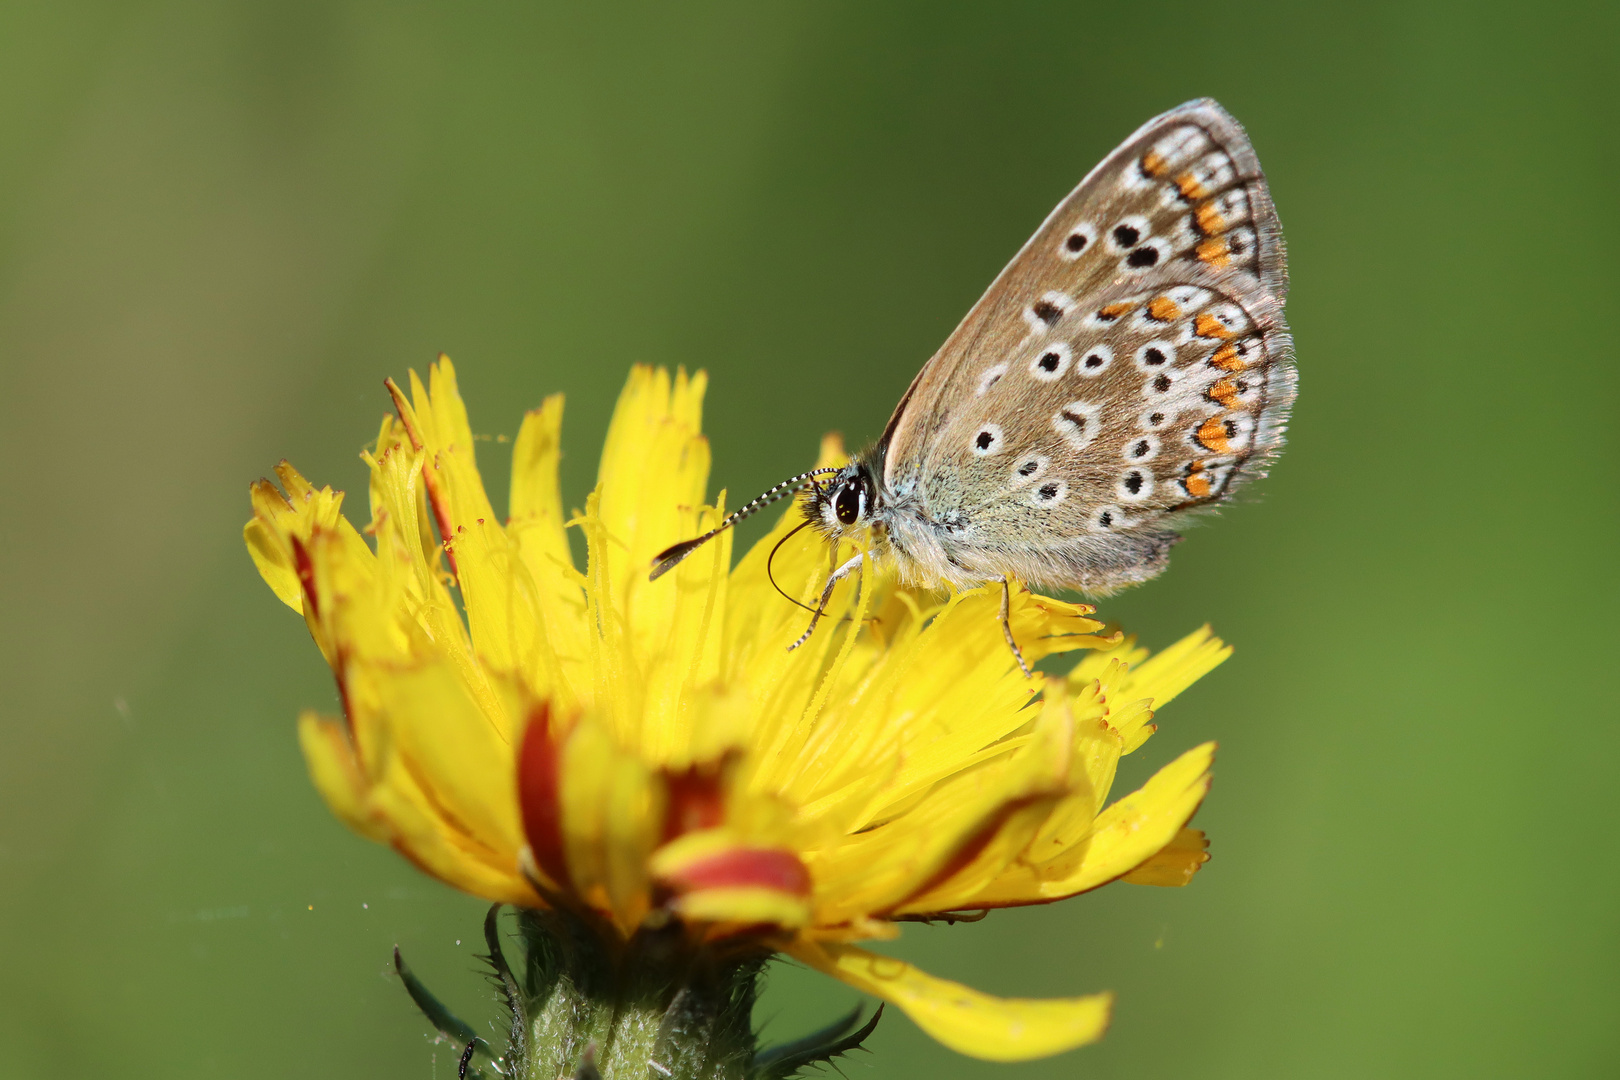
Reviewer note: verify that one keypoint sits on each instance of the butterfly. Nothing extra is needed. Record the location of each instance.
(1129, 370)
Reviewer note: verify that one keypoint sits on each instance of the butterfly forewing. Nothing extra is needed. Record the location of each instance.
(1130, 365)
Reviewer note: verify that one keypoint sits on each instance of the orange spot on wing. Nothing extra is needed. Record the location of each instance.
(1190, 187)
(1226, 358)
(1209, 220)
(1154, 164)
(1215, 253)
(1197, 486)
(1212, 434)
(1114, 311)
(1207, 325)
(1163, 309)
(1225, 392)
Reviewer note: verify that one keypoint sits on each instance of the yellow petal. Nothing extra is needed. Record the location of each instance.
(536, 527)
(688, 655)
(441, 847)
(274, 564)
(744, 907)
(655, 466)
(1167, 673)
(1124, 836)
(336, 774)
(996, 1029)
(536, 495)
(498, 600)
(1035, 773)
(1094, 663)
(394, 810)
(450, 746)
(1133, 829)
(1176, 863)
(611, 815)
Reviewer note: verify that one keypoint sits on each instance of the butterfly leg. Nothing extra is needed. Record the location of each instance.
(1006, 626)
(826, 595)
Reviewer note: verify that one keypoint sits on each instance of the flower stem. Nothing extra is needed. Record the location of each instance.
(652, 1007)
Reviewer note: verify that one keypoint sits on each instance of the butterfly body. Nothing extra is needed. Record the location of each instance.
(1127, 371)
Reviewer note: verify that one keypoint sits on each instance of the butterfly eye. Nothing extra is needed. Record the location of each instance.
(847, 504)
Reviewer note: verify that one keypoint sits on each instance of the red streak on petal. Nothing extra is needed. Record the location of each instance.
(970, 850)
(340, 661)
(764, 868)
(538, 768)
(306, 575)
(436, 500)
(696, 801)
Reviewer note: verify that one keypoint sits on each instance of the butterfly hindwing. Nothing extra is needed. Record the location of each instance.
(1129, 366)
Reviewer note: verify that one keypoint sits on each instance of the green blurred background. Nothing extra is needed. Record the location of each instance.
(223, 223)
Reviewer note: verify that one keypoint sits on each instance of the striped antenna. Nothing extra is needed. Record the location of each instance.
(665, 560)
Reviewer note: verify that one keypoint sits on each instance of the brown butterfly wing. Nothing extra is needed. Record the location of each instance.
(1130, 366)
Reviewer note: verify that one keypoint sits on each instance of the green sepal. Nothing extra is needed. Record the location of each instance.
(507, 984)
(817, 1048)
(443, 1020)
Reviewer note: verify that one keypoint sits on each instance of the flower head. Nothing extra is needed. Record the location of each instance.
(650, 751)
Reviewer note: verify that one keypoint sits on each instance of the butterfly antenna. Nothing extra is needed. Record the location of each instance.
(666, 560)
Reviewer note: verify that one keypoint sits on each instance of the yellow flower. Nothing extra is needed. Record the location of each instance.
(650, 750)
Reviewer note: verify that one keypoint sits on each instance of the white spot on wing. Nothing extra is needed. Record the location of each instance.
(1178, 146)
(1143, 448)
(1233, 206)
(1079, 422)
(1077, 241)
(1155, 356)
(1050, 493)
(1241, 244)
(987, 440)
(1134, 486)
(1156, 417)
(1240, 430)
(1213, 171)
(1094, 361)
(991, 376)
(1036, 464)
(1189, 298)
(1230, 319)
(1045, 312)
(1051, 362)
(1128, 232)
(1109, 518)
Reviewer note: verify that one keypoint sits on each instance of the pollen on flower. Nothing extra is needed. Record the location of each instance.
(568, 737)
